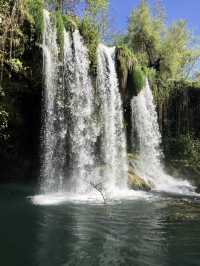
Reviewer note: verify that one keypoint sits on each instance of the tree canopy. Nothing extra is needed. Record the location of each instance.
(170, 50)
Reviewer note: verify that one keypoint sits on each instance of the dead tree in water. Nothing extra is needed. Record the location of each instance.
(99, 188)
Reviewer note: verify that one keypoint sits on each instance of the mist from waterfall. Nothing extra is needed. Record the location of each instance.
(147, 140)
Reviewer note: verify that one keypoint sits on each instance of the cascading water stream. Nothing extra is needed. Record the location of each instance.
(148, 140)
(113, 144)
(53, 152)
(84, 144)
(84, 140)
(83, 130)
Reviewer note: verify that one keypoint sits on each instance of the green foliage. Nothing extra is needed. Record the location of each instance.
(126, 57)
(16, 65)
(15, 35)
(168, 52)
(144, 34)
(186, 148)
(97, 11)
(161, 89)
(4, 6)
(60, 30)
(150, 73)
(175, 53)
(71, 22)
(138, 79)
(131, 76)
(126, 62)
(190, 148)
(90, 34)
(64, 6)
(94, 6)
(35, 8)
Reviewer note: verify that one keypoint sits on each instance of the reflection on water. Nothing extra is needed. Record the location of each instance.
(157, 232)
(100, 235)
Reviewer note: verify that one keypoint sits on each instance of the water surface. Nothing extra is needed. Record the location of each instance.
(159, 230)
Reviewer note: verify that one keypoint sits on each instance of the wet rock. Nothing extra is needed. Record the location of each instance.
(137, 183)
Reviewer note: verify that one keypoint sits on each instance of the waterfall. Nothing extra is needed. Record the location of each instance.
(113, 147)
(83, 139)
(83, 142)
(53, 137)
(148, 140)
(83, 130)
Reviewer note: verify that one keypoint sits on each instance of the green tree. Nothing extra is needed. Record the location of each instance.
(178, 56)
(93, 7)
(144, 34)
(169, 50)
(97, 12)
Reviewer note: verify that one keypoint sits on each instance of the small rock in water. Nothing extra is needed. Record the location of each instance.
(137, 183)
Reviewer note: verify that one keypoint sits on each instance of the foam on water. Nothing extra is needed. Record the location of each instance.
(93, 197)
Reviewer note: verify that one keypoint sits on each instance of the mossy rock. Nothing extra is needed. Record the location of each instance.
(125, 62)
(137, 183)
(137, 82)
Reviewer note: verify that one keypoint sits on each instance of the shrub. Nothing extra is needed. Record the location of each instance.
(16, 65)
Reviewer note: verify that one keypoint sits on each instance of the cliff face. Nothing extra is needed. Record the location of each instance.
(179, 120)
(20, 152)
(21, 99)
(180, 114)
(178, 111)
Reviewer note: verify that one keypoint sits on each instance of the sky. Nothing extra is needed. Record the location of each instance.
(175, 9)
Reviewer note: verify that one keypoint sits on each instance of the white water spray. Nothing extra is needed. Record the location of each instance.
(149, 160)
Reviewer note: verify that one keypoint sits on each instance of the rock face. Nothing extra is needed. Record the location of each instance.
(180, 127)
(180, 113)
(19, 152)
